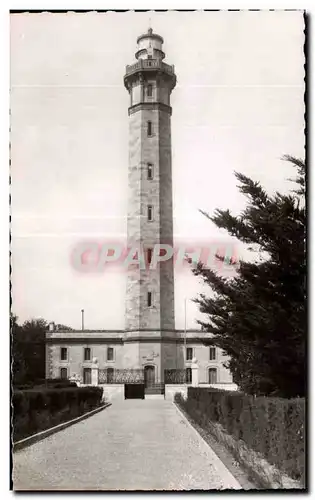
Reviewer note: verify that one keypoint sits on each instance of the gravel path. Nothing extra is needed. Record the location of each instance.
(132, 445)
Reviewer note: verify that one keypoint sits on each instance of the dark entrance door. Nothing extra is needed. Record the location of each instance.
(134, 391)
(149, 376)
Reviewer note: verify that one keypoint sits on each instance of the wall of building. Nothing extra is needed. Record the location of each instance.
(131, 356)
(166, 222)
(136, 94)
(75, 361)
(113, 392)
(158, 193)
(202, 355)
(150, 230)
(172, 355)
(160, 92)
(162, 355)
(143, 192)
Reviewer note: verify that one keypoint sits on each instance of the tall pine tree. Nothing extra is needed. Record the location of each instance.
(258, 317)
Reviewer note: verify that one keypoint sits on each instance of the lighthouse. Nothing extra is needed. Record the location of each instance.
(149, 347)
(150, 326)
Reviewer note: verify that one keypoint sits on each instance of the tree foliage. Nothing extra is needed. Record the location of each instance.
(18, 364)
(28, 350)
(258, 317)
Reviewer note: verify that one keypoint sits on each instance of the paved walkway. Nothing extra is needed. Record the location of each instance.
(132, 445)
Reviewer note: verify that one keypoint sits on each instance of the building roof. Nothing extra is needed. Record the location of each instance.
(150, 34)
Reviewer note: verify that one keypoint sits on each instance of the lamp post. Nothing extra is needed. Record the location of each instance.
(185, 340)
(185, 328)
(82, 319)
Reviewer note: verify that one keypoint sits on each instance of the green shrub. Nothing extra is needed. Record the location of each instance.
(274, 427)
(43, 407)
(51, 383)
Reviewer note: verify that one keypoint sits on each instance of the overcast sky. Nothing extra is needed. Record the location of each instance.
(238, 106)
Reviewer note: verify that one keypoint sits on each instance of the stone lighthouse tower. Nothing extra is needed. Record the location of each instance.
(150, 340)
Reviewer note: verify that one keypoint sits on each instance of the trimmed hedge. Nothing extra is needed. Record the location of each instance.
(40, 408)
(53, 382)
(274, 427)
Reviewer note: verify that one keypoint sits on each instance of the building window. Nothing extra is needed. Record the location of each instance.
(110, 354)
(87, 354)
(212, 375)
(149, 90)
(149, 299)
(150, 250)
(149, 129)
(188, 375)
(63, 354)
(87, 376)
(212, 353)
(110, 375)
(150, 171)
(150, 213)
(63, 373)
(189, 353)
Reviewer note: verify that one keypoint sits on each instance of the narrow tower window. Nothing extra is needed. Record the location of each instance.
(150, 213)
(149, 125)
(150, 171)
(149, 299)
(149, 90)
(149, 255)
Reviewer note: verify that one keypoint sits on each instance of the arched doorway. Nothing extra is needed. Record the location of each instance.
(149, 376)
(213, 375)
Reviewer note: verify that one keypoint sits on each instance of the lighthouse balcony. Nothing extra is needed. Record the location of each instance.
(149, 64)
